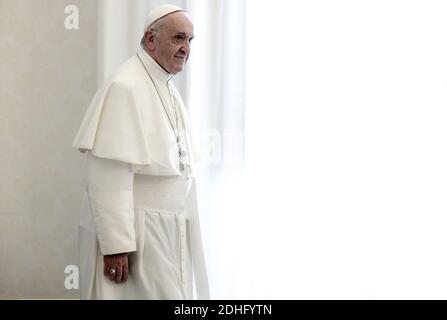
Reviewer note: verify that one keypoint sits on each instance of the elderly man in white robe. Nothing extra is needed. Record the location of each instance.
(139, 233)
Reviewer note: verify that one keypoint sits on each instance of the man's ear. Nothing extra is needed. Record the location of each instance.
(149, 40)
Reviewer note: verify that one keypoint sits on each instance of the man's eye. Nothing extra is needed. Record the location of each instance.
(179, 38)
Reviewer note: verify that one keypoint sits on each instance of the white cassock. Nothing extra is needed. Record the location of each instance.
(138, 197)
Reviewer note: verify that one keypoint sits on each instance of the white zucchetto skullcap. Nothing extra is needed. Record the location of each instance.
(159, 12)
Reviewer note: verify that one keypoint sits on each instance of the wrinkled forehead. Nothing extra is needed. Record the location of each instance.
(178, 22)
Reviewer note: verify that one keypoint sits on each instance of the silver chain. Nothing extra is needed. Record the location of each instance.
(177, 134)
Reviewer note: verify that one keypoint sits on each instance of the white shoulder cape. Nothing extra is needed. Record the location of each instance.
(126, 121)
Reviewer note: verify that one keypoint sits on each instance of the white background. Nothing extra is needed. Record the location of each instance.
(346, 150)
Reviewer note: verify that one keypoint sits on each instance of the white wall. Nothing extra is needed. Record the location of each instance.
(47, 77)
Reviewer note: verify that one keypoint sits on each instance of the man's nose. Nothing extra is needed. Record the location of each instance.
(186, 47)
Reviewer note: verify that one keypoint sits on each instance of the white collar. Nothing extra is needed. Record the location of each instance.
(153, 67)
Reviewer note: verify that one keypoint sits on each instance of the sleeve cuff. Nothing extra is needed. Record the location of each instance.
(114, 219)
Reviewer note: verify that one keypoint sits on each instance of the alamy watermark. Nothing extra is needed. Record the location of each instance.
(72, 17)
(72, 279)
(219, 147)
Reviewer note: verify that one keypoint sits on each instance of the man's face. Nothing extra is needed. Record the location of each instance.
(170, 46)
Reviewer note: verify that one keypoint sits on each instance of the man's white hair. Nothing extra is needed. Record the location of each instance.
(154, 28)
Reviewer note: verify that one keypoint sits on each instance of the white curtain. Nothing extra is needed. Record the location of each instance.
(120, 26)
(212, 86)
(343, 185)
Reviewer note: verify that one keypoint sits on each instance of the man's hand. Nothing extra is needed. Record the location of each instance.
(116, 267)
